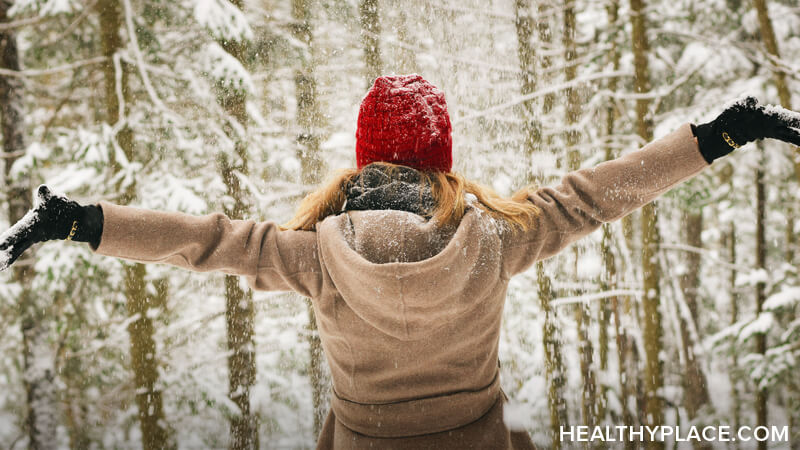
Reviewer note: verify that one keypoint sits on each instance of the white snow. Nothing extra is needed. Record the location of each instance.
(223, 19)
(5, 257)
(752, 278)
(791, 117)
(45, 8)
(760, 325)
(516, 416)
(225, 69)
(785, 298)
(9, 235)
(590, 265)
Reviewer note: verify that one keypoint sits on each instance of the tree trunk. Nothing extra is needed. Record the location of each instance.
(609, 278)
(652, 332)
(526, 53)
(582, 311)
(144, 360)
(239, 312)
(317, 371)
(370, 38)
(407, 58)
(735, 396)
(771, 44)
(43, 408)
(730, 243)
(308, 119)
(555, 372)
(695, 388)
(785, 97)
(761, 257)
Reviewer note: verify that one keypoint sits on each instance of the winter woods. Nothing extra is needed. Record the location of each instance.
(684, 313)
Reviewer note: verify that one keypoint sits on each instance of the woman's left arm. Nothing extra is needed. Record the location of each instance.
(588, 197)
(269, 258)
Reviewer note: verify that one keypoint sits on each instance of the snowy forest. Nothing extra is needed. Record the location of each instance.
(686, 312)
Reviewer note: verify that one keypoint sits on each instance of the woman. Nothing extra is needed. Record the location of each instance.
(407, 264)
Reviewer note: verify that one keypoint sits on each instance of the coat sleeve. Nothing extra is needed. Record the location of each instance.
(588, 197)
(269, 258)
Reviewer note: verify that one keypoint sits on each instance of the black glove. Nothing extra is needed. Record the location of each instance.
(52, 217)
(743, 122)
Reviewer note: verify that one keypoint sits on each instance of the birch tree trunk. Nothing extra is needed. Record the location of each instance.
(39, 356)
(308, 120)
(370, 38)
(652, 332)
(239, 312)
(555, 371)
(144, 360)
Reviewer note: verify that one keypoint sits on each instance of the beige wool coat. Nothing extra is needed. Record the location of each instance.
(409, 313)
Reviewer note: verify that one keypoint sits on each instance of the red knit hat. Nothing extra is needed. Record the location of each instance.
(403, 120)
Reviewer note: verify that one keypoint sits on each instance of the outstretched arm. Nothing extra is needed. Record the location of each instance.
(587, 198)
(270, 258)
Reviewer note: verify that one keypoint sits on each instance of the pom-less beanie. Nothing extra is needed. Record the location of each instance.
(403, 120)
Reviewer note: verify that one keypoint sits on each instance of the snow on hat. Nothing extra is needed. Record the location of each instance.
(403, 120)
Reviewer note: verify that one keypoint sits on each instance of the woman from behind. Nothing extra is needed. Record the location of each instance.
(406, 262)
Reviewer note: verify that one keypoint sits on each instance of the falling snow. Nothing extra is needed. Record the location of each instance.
(184, 136)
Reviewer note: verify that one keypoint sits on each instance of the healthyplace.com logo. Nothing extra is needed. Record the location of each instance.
(660, 433)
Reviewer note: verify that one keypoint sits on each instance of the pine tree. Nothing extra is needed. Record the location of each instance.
(554, 365)
(308, 120)
(653, 343)
(144, 358)
(239, 311)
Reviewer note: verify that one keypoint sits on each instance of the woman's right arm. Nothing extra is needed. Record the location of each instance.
(269, 258)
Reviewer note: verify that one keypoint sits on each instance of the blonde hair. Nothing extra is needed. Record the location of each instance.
(447, 188)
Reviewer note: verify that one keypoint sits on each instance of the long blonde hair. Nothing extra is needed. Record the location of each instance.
(447, 188)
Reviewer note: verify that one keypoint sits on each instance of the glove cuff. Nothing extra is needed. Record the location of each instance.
(88, 227)
(714, 143)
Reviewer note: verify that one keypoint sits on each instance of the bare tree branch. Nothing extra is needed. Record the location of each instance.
(52, 70)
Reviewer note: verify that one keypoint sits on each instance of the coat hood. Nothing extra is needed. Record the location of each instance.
(405, 275)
